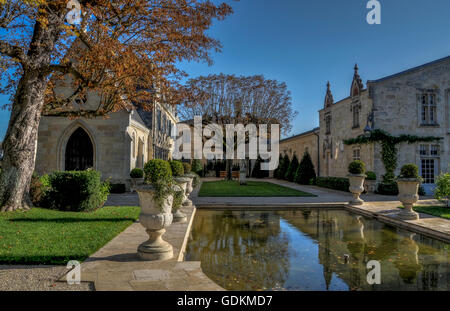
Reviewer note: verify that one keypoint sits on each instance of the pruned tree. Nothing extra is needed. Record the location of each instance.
(121, 49)
(229, 99)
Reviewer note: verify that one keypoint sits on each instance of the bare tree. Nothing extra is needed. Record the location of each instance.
(228, 99)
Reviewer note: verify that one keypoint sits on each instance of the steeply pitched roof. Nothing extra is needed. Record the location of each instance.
(441, 60)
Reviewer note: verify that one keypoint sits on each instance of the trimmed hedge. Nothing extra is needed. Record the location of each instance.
(157, 169)
(137, 173)
(177, 168)
(196, 166)
(336, 183)
(371, 175)
(409, 171)
(76, 191)
(305, 171)
(292, 169)
(356, 167)
(187, 167)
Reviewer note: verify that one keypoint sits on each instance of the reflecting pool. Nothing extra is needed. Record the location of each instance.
(314, 249)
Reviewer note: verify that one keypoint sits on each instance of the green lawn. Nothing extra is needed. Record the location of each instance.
(439, 211)
(252, 189)
(42, 236)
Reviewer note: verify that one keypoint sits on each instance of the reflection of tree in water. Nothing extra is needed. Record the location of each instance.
(241, 250)
(407, 260)
(248, 250)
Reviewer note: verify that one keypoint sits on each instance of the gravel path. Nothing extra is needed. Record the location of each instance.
(37, 278)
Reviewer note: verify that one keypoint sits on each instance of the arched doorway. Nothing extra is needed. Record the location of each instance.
(79, 151)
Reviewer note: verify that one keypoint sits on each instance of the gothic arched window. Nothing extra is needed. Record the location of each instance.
(79, 154)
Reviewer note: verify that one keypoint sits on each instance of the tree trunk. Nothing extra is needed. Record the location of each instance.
(243, 173)
(229, 167)
(19, 145)
(21, 137)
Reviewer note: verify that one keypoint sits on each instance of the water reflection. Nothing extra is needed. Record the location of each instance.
(313, 250)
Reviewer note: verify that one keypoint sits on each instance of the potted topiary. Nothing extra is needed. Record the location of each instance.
(137, 178)
(356, 177)
(408, 186)
(370, 182)
(179, 189)
(155, 199)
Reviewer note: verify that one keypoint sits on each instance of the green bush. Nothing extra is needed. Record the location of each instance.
(409, 171)
(36, 190)
(387, 188)
(77, 191)
(305, 171)
(157, 169)
(336, 183)
(177, 168)
(187, 167)
(276, 172)
(357, 167)
(371, 175)
(196, 166)
(421, 191)
(137, 173)
(283, 168)
(117, 188)
(442, 191)
(292, 169)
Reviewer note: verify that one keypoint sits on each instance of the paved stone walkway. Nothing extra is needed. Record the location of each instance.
(115, 267)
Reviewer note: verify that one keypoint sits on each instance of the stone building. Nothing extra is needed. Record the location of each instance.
(114, 146)
(301, 143)
(412, 102)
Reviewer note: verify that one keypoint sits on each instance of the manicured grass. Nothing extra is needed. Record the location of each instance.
(252, 189)
(439, 211)
(42, 236)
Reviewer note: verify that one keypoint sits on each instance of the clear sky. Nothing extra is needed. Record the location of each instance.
(305, 43)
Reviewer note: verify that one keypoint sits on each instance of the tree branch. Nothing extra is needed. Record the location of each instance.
(13, 51)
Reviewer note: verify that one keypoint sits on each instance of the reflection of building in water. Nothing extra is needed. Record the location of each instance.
(407, 261)
(248, 240)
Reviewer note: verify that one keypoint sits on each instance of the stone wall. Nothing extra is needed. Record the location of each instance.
(398, 111)
(299, 144)
(109, 137)
(334, 155)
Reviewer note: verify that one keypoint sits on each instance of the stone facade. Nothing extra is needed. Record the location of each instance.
(299, 144)
(413, 102)
(121, 142)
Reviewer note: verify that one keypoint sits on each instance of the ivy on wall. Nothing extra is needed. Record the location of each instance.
(389, 147)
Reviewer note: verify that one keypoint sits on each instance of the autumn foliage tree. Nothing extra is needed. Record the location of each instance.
(121, 49)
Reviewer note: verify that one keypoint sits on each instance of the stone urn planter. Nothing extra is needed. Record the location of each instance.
(356, 188)
(154, 218)
(189, 189)
(407, 194)
(182, 183)
(370, 185)
(135, 182)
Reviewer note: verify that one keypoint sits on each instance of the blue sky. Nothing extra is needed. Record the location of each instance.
(306, 43)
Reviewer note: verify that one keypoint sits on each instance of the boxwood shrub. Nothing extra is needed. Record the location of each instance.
(336, 183)
(177, 168)
(187, 167)
(371, 175)
(137, 173)
(157, 169)
(357, 167)
(77, 191)
(409, 171)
